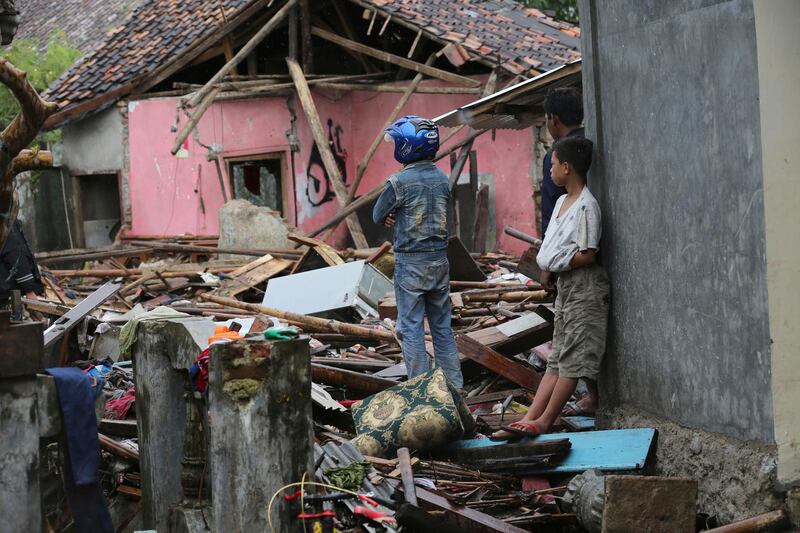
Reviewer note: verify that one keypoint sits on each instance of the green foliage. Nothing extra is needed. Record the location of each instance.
(566, 10)
(43, 64)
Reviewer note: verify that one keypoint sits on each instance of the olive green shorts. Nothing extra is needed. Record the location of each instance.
(579, 335)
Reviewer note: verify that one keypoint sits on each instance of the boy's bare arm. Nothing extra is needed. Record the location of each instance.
(582, 259)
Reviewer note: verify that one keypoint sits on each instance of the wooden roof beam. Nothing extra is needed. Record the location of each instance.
(394, 59)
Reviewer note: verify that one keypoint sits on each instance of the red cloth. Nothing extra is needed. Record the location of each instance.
(118, 409)
(201, 376)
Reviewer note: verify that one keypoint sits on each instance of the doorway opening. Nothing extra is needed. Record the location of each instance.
(99, 211)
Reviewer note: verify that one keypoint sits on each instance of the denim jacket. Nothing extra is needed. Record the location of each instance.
(419, 196)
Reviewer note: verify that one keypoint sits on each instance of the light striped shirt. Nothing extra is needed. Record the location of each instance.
(578, 229)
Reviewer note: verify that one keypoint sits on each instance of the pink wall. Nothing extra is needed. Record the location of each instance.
(165, 191)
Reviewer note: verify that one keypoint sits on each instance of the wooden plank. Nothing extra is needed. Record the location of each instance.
(356, 381)
(609, 450)
(21, 347)
(527, 263)
(119, 428)
(515, 336)
(579, 423)
(394, 59)
(250, 275)
(331, 167)
(407, 476)
(305, 33)
(227, 43)
(469, 520)
(455, 172)
(274, 21)
(519, 449)
(772, 521)
(497, 363)
(481, 227)
(365, 200)
(376, 142)
(352, 364)
(150, 79)
(498, 396)
(395, 88)
(462, 266)
(348, 30)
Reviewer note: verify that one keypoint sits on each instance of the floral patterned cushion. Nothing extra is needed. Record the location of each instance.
(422, 413)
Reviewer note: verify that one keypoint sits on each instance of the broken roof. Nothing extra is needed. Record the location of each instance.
(161, 35)
(84, 26)
(519, 39)
(515, 107)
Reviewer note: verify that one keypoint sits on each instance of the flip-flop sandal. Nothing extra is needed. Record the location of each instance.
(521, 432)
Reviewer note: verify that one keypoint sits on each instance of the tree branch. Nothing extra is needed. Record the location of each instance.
(17, 136)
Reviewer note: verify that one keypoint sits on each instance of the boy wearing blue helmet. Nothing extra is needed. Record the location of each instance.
(415, 203)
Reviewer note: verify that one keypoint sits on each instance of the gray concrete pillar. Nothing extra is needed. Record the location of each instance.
(163, 353)
(20, 503)
(261, 431)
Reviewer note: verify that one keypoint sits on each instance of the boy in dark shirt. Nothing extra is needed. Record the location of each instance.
(564, 113)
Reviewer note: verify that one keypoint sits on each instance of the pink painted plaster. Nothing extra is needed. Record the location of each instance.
(166, 192)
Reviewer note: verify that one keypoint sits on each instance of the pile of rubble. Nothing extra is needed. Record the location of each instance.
(414, 471)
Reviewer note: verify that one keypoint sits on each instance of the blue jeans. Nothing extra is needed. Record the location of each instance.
(422, 287)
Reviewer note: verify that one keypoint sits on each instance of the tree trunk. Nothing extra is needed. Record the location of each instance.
(17, 136)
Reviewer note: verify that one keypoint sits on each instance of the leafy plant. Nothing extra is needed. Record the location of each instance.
(43, 64)
(566, 10)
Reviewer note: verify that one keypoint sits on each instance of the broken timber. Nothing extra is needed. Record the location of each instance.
(206, 95)
(252, 274)
(333, 326)
(331, 167)
(362, 167)
(469, 520)
(356, 381)
(268, 28)
(394, 59)
(497, 363)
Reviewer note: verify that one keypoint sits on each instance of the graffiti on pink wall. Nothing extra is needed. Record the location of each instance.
(319, 188)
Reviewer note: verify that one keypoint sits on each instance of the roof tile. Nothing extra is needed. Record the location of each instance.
(501, 32)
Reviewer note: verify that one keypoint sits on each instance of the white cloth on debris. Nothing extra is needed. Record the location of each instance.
(576, 230)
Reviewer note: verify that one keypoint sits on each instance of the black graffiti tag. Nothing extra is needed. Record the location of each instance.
(319, 188)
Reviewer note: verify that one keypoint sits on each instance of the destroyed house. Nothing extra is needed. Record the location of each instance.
(156, 87)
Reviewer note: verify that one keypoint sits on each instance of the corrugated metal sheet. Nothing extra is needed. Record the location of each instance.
(515, 107)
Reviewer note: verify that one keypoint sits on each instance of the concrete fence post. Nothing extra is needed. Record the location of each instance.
(261, 431)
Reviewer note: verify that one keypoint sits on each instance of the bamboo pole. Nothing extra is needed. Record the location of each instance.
(333, 326)
(119, 273)
(513, 296)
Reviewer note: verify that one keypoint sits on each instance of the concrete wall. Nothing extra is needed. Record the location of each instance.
(95, 145)
(165, 191)
(45, 221)
(778, 45)
(672, 100)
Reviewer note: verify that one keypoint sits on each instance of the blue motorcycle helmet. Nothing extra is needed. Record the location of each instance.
(414, 138)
